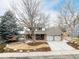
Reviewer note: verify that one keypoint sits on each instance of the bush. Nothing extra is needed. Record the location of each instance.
(2, 47)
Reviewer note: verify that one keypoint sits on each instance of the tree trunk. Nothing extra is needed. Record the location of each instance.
(33, 35)
(61, 36)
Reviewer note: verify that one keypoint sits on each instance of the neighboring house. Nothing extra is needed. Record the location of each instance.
(76, 22)
(76, 31)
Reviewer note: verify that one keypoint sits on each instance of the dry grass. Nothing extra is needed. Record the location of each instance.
(28, 47)
(74, 43)
(2, 47)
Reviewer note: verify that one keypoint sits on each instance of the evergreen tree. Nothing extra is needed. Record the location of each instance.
(8, 25)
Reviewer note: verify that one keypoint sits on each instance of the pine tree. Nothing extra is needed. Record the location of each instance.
(8, 25)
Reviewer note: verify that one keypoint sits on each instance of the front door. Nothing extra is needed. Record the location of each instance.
(40, 36)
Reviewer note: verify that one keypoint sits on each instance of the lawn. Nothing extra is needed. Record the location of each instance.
(27, 47)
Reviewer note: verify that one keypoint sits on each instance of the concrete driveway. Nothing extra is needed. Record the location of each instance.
(60, 46)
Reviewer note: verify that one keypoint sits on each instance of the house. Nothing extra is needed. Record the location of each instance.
(53, 33)
(40, 34)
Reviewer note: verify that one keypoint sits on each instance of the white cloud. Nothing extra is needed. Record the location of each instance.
(4, 5)
(53, 16)
(46, 8)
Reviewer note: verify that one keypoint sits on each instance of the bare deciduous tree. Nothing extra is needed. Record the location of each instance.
(67, 16)
(30, 15)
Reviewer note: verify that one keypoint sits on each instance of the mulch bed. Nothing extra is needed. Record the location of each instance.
(73, 45)
(42, 49)
(36, 43)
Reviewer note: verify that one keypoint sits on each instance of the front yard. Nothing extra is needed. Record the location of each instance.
(25, 47)
(40, 46)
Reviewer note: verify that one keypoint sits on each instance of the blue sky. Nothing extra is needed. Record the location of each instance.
(76, 3)
(50, 7)
(53, 5)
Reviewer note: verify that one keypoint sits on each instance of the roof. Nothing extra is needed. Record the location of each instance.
(49, 31)
(53, 31)
(36, 32)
